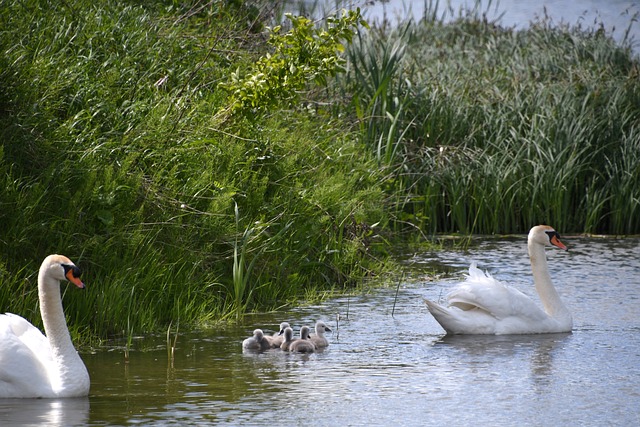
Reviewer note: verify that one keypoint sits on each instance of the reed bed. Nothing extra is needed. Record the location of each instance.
(492, 130)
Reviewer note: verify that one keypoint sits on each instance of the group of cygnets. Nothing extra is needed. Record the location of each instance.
(284, 340)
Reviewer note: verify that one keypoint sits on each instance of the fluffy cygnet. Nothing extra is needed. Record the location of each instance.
(304, 344)
(318, 338)
(257, 342)
(277, 339)
(288, 339)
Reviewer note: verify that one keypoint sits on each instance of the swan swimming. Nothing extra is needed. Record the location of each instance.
(288, 339)
(483, 305)
(277, 339)
(318, 338)
(32, 364)
(258, 341)
(304, 344)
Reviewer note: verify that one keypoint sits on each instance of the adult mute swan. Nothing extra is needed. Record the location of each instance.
(34, 365)
(483, 305)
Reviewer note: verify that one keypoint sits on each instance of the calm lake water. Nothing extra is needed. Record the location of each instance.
(384, 369)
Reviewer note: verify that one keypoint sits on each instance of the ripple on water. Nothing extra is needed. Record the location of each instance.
(384, 370)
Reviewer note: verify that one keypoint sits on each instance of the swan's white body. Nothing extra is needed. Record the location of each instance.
(34, 365)
(483, 305)
(318, 338)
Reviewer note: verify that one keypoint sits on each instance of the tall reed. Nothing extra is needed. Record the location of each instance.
(493, 130)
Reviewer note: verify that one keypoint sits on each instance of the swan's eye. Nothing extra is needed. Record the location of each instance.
(75, 271)
(552, 234)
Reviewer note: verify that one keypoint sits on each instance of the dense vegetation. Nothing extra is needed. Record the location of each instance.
(196, 167)
(492, 130)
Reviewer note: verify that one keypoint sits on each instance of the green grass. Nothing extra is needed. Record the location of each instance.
(492, 130)
(113, 153)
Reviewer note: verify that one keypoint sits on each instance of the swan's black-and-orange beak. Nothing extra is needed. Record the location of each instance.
(555, 241)
(72, 273)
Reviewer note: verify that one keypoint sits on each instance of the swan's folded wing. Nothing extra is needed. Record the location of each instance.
(30, 336)
(474, 296)
(22, 373)
(482, 292)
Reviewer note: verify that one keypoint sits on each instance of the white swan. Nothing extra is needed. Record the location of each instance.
(483, 305)
(318, 338)
(32, 365)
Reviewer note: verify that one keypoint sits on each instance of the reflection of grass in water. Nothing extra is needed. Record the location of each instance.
(129, 329)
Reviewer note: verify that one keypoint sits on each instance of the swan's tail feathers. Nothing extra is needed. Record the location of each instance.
(434, 308)
(441, 314)
(475, 274)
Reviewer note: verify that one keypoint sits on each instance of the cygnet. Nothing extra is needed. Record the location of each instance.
(288, 339)
(277, 339)
(257, 342)
(304, 344)
(318, 338)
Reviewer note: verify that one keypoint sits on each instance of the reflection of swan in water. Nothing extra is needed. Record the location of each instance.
(45, 412)
(483, 305)
(501, 345)
(489, 349)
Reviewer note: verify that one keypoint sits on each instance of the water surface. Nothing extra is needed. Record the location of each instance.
(391, 370)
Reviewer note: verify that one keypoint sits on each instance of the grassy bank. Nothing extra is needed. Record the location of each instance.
(144, 143)
(113, 153)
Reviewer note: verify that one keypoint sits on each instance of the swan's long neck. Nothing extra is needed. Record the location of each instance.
(548, 295)
(71, 369)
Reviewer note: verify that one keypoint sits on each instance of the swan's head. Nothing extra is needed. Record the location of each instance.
(59, 267)
(546, 236)
(304, 332)
(321, 327)
(283, 326)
